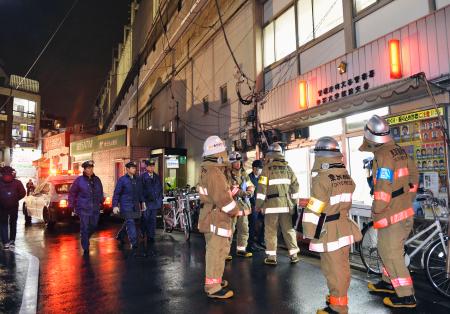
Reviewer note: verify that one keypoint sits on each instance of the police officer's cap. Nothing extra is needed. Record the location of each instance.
(149, 162)
(87, 164)
(131, 164)
(257, 164)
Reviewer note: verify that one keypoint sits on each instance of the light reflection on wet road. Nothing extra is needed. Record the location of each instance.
(112, 281)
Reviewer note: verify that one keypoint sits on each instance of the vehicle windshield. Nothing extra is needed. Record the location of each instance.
(62, 188)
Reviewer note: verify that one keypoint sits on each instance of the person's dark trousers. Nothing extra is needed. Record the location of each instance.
(13, 225)
(88, 225)
(149, 222)
(253, 220)
(4, 230)
(122, 231)
(130, 227)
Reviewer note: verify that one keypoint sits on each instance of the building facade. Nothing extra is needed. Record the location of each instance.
(19, 124)
(320, 67)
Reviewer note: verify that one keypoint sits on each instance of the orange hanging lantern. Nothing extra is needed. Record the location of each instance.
(303, 94)
(394, 59)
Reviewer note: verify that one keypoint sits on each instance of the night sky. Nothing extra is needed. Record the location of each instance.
(75, 65)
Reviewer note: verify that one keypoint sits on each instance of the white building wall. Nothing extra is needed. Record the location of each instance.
(326, 50)
(388, 18)
(441, 3)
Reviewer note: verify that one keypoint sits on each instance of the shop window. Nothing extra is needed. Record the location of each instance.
(358, 121)
(269, 45)
(298, 160)
(279, 37)
(329, 128)
(419, 134)
(362, 4)
(316, 17)
(361, 195)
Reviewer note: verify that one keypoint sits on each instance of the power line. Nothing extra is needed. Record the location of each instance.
(229, 46)
(41, 53)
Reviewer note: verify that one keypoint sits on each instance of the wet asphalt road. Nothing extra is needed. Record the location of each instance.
(170, 281)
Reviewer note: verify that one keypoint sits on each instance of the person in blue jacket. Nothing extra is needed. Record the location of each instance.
(127, 196)
(152, 194)
(86, 198)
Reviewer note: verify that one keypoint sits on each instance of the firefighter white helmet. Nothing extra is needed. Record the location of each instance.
(274, 150)
(213, 145)
(327, 146)
(234, 156)
(377, 130)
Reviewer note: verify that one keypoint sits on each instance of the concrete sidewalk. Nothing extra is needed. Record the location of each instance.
(13, 275)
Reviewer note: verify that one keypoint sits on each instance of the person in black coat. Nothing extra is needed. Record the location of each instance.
(11, 192)
(152, 194)
(127, 196)
(86, 198)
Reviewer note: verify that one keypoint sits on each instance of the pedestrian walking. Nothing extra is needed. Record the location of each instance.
(30, 187)
(11, 192)
(327, 223)
(241, 190)
(217, 209)
(86, 198)
(152, 194)
(256, 219)
(127, 201)
(276, 197)
(395, 186)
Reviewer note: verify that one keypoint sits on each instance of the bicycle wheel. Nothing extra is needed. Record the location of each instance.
(368, 250)
(435, 267)
(186, 225)
(168, 219)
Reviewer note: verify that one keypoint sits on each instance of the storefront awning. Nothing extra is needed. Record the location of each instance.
(401, 91)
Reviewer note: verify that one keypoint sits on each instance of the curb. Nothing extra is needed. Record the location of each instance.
(30, 292)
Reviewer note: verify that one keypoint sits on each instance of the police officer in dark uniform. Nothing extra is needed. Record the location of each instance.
(152, 194)
(127, 195)
(86, 198)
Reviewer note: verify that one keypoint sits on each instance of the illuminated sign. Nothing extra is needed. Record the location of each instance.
(415, 116)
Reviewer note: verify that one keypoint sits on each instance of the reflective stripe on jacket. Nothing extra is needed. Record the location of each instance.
(395, 185)
(278, 187)
(240, 181)
(217, 204)
(331, 198)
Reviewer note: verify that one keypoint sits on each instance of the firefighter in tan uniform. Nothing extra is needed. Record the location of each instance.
(326, 221)
(241, 189)
(395, 186)
(217, 210)
(276, 195)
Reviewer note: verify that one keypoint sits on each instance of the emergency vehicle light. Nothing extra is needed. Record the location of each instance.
(107, 202)
(394, 59)
(63, 204)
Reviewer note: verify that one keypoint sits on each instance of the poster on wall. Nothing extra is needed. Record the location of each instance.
(420, 136)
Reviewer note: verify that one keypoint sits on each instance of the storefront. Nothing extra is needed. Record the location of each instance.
(386, 77)
(56, 149)
(171, 165)
(111, 151)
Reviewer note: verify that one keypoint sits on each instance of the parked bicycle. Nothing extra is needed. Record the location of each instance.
(178, 211)
(431, 242)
